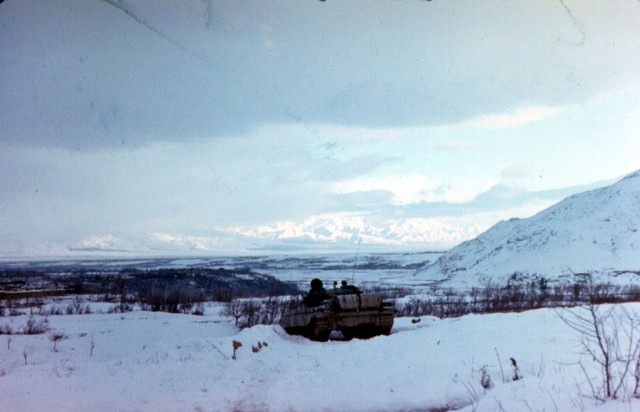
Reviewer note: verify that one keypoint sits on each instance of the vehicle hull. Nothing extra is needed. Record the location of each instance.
(356, 316)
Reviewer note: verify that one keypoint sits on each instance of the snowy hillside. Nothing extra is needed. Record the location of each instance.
(593, 232)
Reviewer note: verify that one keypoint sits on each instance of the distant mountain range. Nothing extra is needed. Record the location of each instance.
(346, 229)
(595, 232)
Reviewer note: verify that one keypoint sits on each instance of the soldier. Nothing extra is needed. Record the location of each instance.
(316, 295)
(349, 288)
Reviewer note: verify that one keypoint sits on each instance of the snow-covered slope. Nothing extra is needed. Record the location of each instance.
(151, 361)
(595, 232)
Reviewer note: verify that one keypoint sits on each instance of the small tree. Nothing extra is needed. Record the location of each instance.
(26, 351)
(233, 308)
(251, 311)
(609, 337)
(56, 337)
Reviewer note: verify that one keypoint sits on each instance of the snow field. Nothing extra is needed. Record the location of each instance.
(145, 361)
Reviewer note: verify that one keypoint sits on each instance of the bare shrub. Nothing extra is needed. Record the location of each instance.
(512, 297)
(78, 307)
(55, 337)
(52, 310)
(609, 339)
(172, 299)
(26, 352)
(70, 309)
(6, 329)
(199, 309)
(485, 378)
(233, 308)
(271, 309)
(36, 327)
(121, 307)
(251, 312)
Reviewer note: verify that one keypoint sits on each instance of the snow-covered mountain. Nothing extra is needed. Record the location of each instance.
(593, 232)
(319, 233)
(347, 228)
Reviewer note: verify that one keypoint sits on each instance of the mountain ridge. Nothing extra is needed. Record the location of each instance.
(595, 232)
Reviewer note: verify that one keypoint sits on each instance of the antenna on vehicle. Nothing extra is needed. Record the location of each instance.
(355, 264)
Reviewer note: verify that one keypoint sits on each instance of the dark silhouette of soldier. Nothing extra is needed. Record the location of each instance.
(349, 288)
(316, 295)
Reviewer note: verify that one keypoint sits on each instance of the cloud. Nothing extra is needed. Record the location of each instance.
(457, 146)
(179, 120)
(104, 243)
(514, 172)
(410, 189)
(78, 197)
(364, 200)
(360, 134)
(203, 71)
(333, 170)
(514, 118)
(404, 188)
(501, 201)
(168, 241)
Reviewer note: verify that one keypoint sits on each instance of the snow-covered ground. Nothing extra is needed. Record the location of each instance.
(143, 361)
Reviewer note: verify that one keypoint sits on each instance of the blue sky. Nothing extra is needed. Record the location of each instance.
(226, 126)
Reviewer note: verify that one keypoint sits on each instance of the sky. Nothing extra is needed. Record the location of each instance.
(214, 127)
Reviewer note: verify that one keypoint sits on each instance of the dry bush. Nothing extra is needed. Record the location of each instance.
(233, 309)
(485, 378)
(172, 299)
(250, 312)
(36, 327)
(55, 337)
(26, 352)
(6, 329)
(513, 297)
(199, 309)
(610, 342)
(53, 310)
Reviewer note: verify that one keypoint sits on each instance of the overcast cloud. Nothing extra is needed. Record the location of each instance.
(163, 127)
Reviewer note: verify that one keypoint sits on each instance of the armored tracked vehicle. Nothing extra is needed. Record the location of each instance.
(345, 309)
